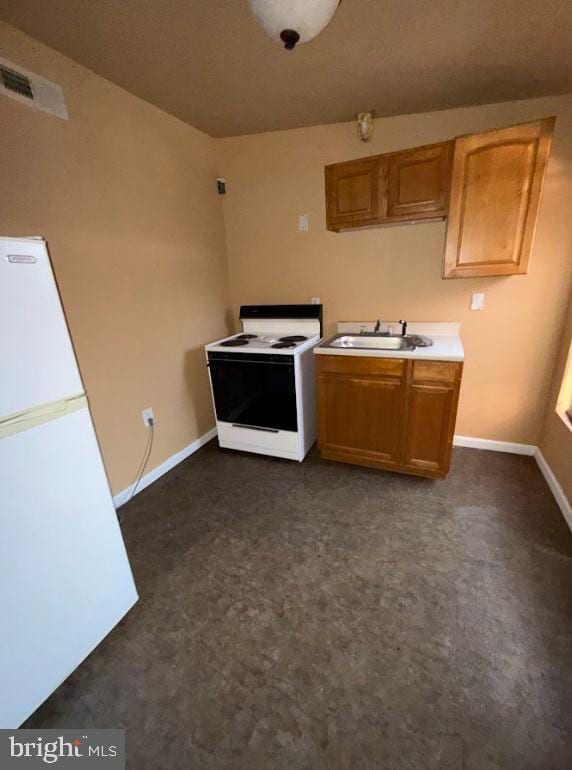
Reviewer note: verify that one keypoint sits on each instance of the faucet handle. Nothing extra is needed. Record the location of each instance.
(403, 328)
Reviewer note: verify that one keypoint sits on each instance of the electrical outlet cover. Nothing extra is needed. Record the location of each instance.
(147, 414)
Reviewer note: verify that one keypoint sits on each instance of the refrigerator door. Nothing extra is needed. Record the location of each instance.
(65, 580)
(38, 361)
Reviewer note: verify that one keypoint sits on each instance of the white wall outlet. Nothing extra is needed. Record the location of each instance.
(477, 301)
(315, 301)
(148, 416)
(303, 223)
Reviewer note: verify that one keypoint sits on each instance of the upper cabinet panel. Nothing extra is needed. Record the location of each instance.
(353, 193)
(419, 182)
(495, 193)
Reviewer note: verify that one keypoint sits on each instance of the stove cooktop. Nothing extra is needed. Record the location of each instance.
(264, 342)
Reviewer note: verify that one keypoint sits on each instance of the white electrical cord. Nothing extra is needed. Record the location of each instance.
(144, 461)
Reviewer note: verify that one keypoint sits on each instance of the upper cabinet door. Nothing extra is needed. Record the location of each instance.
(495, 194)
(353, 193)
(419, 182)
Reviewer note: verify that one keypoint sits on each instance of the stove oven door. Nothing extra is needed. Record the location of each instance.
(254, 390)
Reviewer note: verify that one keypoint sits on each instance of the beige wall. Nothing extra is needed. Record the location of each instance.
(556, 439)
(125, 196)
(394, 272)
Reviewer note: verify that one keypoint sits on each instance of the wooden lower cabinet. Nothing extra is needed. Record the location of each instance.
(361, 409)
(428, 429)
(394, 414)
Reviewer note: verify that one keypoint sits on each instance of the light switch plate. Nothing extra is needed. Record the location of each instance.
(477, 301)
(303, 223)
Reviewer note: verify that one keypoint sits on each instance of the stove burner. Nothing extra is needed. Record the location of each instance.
(234, 343)
(293, 338)
(247, 337)
(283, 345)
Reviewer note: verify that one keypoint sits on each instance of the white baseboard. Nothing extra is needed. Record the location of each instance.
(555, 488)
(122, 497)
(494, 446)
(523, 449)
(464, 441)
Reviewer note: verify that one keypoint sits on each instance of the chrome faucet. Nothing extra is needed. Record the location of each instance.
(389, 332)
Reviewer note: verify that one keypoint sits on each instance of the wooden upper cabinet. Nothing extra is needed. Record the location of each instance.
(418, 183)
(381, 189)
(353, 193)
(495, 194)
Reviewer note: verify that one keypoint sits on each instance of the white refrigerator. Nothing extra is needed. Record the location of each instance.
(65, 579)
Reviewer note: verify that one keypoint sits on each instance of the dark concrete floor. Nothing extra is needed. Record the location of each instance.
(323, 616)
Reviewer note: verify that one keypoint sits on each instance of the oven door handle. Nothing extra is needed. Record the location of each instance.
(255, 427)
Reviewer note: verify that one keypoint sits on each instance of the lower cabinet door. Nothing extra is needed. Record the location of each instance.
(361, 418)
(430, 422)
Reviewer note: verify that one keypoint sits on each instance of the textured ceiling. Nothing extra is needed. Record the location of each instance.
(210, 64)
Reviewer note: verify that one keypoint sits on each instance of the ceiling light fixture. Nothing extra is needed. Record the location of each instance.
(365, 125)
(293, 21)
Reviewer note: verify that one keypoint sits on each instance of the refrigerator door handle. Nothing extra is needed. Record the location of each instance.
(30, 418)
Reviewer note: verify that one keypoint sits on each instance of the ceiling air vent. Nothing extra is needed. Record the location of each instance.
(29, 88)
(13, 81)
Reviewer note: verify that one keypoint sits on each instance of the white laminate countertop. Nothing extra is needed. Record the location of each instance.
(447, 345)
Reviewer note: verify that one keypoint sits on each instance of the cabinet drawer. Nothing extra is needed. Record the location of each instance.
(388, 367)
(436, 371)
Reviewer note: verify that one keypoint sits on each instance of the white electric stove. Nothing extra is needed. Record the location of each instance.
(263, 381)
